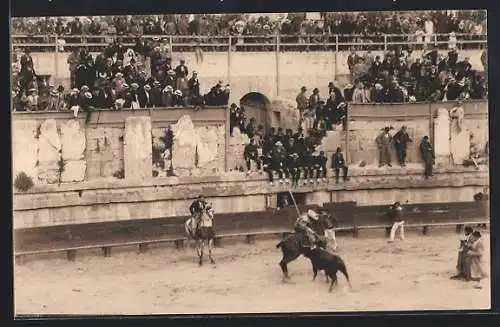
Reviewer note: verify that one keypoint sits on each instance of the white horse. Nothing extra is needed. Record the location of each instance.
(203, 233)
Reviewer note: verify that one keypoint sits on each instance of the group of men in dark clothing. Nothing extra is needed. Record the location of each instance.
(400, 141)
(291, 156)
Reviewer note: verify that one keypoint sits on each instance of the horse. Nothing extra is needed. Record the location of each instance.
(202, 233)
(292, 246)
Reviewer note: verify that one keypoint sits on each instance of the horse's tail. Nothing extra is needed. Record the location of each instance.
(343, 269)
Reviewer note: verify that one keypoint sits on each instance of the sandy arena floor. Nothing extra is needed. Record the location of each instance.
(409, 275)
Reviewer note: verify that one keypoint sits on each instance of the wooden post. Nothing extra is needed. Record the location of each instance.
(56, 63)
(143, 247)
(71, 255)
(106, 251)
(179, 244)
(336, 67)
(425, 230)
(250, 239)
(229, 61)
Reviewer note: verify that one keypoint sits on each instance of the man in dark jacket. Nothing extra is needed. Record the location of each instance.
(145, 99)
(338, 162)
(427, 153)
(401, 140)
(156, 95)
(320, 165)
(251, 154)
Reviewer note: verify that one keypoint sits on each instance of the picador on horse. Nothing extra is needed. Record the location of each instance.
(196, 209)
(200, 227)
(303, 226)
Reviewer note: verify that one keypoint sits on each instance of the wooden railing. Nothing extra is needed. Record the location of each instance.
(271, 42)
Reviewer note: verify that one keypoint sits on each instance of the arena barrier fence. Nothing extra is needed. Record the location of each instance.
(347, 215)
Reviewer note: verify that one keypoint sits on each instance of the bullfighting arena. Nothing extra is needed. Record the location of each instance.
(409, 275)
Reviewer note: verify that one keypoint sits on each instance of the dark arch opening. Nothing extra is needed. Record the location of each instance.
(255, 99)
(256, 106)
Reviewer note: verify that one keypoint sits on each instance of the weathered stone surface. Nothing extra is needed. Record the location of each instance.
(318, 198)
(459, 143)
(24, 148)
(74, 171)
(49, 152)
(236, 149)
(104, 152)
(289, 115)
(207, 145)
(184, 147)
(138, 150)
(442, 147)
(73, 140)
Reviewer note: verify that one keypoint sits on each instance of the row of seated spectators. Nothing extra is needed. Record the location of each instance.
(403, 76)
(296, 25)
(289, 156)
(106, 82)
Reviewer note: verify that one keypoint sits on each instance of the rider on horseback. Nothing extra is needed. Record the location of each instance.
(197, 208)
(302, 226)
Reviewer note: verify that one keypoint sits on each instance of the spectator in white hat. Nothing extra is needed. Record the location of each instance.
(168, 96)
(178, 98)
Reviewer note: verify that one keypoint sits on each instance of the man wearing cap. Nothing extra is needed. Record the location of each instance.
(130, 72)
(54, 101)
(427, 153)
(401, 140)
(178, 98)
(302, 101)
(302, 226)
(156, 95)
(73, 61)
(384, 141)
(168, 96)
(395, 213)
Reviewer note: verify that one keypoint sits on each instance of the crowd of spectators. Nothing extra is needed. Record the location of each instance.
(118, 77)
(402, 76)
(295, 25)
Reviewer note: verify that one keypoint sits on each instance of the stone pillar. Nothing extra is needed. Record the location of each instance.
(138, 153)
(24, 148)
(73, 142)
(49, 152)
(442, 147)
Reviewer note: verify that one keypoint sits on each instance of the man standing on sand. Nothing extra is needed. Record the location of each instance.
(395, 214)
(476, 254)
(463, 269)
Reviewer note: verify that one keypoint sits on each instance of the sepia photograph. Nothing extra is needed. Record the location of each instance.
(231, 163)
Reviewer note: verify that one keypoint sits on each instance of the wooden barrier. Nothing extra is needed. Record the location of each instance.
(141, 233)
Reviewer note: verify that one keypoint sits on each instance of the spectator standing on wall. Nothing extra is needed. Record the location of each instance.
(384, 141)
(302, 101)
(401, 140)
(73, 62)
(181, 73)
(427, 153)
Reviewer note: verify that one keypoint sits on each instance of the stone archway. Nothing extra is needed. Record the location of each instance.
(256, 106)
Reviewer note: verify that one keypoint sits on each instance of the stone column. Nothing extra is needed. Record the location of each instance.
(24, 148)
(138, 151)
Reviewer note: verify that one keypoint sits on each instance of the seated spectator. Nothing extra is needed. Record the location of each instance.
(251, 154)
